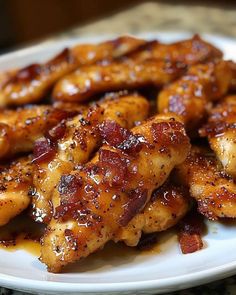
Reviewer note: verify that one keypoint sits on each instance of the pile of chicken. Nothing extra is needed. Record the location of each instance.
(96, 165)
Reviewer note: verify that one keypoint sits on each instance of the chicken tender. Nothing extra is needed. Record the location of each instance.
(32, 83)
(221, 133)
(109, 191)
(191, 95)
(167, 206)
(129, 74)
(214, 191)
(191, 51)
(80, 137)
(15, 188)
(233, 81)
(20, 128)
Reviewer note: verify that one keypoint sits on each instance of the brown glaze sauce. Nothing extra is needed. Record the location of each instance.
(24, 234)
(21, 234)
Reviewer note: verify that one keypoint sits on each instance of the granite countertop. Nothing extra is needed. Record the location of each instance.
(161, 16)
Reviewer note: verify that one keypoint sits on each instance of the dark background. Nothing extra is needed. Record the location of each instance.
(25, 21)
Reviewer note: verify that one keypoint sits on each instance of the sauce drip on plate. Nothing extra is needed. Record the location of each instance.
(21, 234)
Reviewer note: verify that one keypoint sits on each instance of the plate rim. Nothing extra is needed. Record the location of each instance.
(200, 277)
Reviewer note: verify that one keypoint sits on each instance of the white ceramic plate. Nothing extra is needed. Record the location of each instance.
(163, 271)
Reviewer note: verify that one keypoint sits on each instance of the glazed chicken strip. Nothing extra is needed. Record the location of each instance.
(15, 184)
(214, 191)
(221, 133)
(32, 83)
(107, 192)
(81, 84)
(80, 137)
(233, 81)
(21, 127)
(190, 51)
(129, 74)
(190, 96)
(167, 206)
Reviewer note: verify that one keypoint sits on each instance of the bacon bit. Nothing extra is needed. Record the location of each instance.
(57, 132)
(114, 167)
(191, 229)
(112, 133)
(69, 187)
(43, 151)
(190, 243)
(65, 212)
(167, 133)
(138, 198)
(133, 144)
(78, 211)
(91, 169)
(121, 138)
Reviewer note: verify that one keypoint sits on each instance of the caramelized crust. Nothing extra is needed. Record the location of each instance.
(81, 137)
(214, 190)
(31, 84)
(221, 133)
(190, 96)
(15, 184)
(166, 207)
(129, 74)
(190, 51)
(109, 191)
(21, 127)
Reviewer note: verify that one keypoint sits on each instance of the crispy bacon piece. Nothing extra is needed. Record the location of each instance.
(212, 188)
(128, 74)
(30, 84)
(190, 96)
(44, 150)
(190, 233)
(82, 136)
(15, 192)
(190, 243)
(221, 132)
(20, 128)
(167, 206)
(99, 207)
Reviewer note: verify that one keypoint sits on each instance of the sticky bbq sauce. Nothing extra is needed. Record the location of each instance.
(22, 233)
